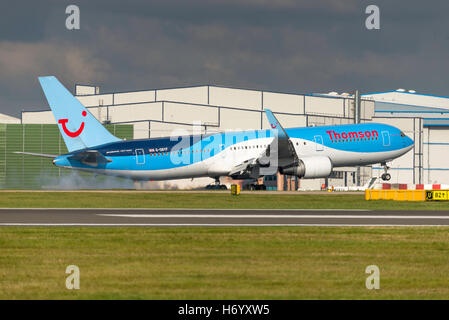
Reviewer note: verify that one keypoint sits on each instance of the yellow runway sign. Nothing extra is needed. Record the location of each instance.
(437, 195)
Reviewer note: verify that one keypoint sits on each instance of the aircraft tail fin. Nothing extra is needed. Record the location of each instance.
(79, 128)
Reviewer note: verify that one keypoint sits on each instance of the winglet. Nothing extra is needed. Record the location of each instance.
(275, 124)
(285, 145)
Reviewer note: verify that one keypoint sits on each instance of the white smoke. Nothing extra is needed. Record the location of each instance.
(183, 184)
(74, 180)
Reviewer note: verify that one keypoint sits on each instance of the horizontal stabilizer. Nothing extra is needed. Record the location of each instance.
(43, 155)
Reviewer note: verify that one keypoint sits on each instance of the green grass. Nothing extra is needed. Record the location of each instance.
(204, 200)
(224, 263)
(221, 263)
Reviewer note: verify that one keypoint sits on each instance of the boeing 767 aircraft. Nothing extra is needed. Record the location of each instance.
(310, 152)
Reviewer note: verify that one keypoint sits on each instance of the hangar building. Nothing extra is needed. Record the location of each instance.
(163, 112)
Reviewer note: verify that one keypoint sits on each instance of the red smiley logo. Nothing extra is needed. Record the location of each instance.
(274, 125)
(70, 133)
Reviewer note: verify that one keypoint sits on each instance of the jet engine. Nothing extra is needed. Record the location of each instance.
(310, 168)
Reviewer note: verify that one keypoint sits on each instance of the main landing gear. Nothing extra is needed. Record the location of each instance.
(385, 176)
(217, 185)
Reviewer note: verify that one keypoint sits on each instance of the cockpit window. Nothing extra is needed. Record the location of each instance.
(402, 134)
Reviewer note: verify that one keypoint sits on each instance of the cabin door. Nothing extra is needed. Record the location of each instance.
(319, 143)
(140, 156)
(386, 138)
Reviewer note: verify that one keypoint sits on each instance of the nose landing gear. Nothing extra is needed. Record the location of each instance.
(385, 176)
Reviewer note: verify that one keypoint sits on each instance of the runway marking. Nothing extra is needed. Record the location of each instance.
(207, 225)
(270, 216)
(183, 209)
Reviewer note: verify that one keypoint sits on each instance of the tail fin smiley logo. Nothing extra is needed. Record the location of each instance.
(70, 133)
(274, 125)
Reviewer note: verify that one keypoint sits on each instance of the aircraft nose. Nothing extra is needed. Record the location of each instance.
(410, 143)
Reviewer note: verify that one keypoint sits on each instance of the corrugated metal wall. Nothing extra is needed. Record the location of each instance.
(19, 171)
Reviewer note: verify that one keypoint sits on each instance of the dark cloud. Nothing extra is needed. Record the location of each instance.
(286, 45)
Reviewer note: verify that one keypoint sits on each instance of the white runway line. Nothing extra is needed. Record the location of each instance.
(271, 216)
(181, 209)
(207, 225)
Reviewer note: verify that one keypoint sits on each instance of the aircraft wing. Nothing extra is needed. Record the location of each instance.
(280, 153)
(282, 145)
(243, 167)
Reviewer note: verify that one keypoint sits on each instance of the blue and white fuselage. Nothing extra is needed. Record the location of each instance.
(165, 158)
(309, 152)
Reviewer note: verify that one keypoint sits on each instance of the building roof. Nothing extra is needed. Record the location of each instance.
(434, 110)
(410, 97)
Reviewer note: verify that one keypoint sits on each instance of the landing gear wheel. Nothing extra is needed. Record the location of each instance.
(385, 176)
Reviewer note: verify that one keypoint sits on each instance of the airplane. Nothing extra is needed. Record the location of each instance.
(305, 152)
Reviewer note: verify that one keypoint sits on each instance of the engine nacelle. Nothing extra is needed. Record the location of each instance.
(310, 168)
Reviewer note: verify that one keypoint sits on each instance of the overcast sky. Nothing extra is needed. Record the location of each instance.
(285, 45)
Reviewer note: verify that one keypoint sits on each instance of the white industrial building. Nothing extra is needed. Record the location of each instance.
(5, 119)
(159, 112)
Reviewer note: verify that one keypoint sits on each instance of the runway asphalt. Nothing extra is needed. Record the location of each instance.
(219, 217)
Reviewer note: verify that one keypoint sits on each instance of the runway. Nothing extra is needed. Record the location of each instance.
(219, 217)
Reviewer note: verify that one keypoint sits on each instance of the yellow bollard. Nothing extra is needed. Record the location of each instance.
(235, 189)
